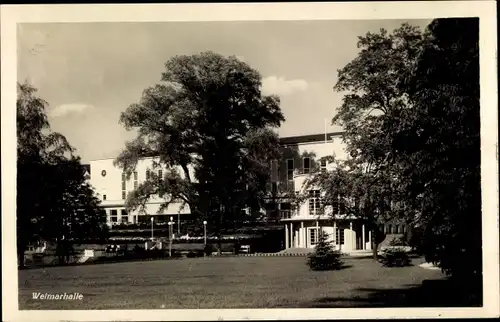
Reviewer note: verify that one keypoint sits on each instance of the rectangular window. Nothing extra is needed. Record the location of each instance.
(124, 176)
(323, 165)
(289, 169)
(124, 216)
(306, 165)
(285, 214)
(286, 210)
(135, 175)
(124, 195)
(114, 215)
(339, 236)
(313, 236)
(338, 206)
(315, 203)
(147, 174)
(103, 197)
(135, 185)
(160, 174)
(124, 185)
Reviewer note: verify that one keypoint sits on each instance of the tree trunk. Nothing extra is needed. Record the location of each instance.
(375, 245)
(21, 248)
(219, 244)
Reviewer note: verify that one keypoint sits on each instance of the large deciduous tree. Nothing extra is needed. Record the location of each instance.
(374, 84)
(54, 203)
(438, 147)
(210, 126)
(411, 117)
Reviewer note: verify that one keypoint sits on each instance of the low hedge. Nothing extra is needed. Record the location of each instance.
(395, 257)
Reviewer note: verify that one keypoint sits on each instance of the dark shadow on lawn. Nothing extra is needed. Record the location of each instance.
(432, 293)
(337, 269)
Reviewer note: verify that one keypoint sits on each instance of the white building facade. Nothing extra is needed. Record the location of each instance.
(112, 187)
(303, 226)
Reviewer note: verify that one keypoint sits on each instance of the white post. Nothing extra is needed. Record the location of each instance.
(152, 219)
(170, 238)
(303, 233)
(292, 241)
(370, 238)
(326, 139)
(286, 236)
(179, 223)
(205, 231)
(363, 237)
(335, 233)
(317, 231)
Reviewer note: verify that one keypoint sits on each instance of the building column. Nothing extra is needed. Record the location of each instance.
(335, 233)
(363, 237)
(286, 236)
(302, 235)
(370, 238)
(292, 235)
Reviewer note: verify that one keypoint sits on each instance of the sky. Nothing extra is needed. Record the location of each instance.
(91, 72)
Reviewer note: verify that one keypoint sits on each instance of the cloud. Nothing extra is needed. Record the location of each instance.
(65, 109)
(280, 86)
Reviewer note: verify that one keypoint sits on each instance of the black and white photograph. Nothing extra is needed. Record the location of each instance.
(182, 160)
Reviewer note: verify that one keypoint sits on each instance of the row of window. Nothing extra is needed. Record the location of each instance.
(394, 229)
(290, 168)
(113, 216)
(314, 236)
(136, 182)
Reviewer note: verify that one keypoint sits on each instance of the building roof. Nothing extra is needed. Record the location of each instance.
(86, 167)
(308, 138)
(289, 140)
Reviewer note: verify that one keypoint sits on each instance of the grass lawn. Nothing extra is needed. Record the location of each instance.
(231, 282)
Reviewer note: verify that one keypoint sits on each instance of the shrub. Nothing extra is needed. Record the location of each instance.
(395, 257)
(174, 254)
(324, 256)
(399, 241)
(208, 249)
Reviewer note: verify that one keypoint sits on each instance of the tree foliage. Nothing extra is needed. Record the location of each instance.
(411, 120)
(438, 146)
(54, 203)
(209, 125)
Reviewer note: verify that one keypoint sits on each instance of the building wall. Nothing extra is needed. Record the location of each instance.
(109, 189)
(109, 186)
(295, 154)
(292, 166)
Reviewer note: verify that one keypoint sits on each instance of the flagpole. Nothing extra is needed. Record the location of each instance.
(326, 140)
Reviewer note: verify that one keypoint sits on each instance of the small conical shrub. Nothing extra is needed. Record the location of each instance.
(395, 257)
(324, 256)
